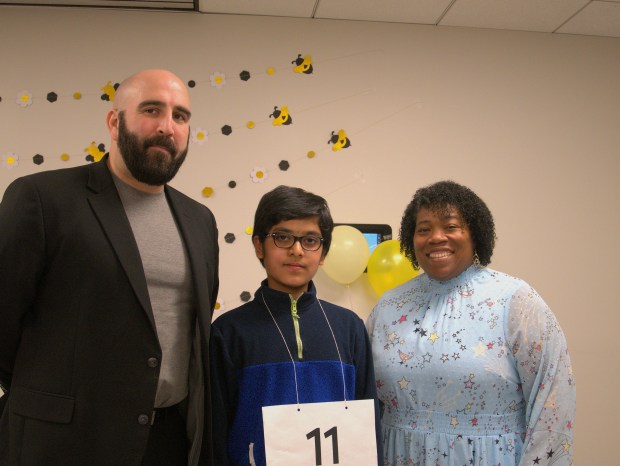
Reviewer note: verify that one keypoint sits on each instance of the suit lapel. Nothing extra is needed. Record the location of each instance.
(108, 208)
(194, 242)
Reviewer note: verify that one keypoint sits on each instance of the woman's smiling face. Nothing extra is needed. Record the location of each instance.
(442, 242)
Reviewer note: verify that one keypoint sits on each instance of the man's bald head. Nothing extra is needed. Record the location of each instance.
(142, 80)
(149, 128)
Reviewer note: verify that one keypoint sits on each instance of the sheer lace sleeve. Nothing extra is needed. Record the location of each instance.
(541, 355)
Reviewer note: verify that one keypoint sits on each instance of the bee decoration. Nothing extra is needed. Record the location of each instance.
(339, 141)
(303, 65)
(109, 91)
(281, 116)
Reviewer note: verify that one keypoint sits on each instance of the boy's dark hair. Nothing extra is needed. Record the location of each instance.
(441, 195)
(290, 203)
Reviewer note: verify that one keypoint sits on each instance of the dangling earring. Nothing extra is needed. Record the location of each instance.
(476, 260)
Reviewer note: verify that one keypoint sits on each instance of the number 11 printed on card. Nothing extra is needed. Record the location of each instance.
(321, 434)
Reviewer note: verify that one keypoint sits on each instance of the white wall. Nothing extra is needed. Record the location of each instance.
(529, 121)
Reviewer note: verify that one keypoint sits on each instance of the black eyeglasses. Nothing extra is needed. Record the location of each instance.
(287, 240)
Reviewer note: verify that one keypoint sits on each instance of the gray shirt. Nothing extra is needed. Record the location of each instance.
(166, 267)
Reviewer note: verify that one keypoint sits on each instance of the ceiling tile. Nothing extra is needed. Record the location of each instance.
(597, 19)
(526, 15)
(402, 11)
(296, 8)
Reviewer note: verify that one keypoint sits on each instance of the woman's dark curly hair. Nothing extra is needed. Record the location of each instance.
(441, 195)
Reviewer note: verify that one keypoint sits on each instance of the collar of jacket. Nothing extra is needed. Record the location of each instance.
(280, 302)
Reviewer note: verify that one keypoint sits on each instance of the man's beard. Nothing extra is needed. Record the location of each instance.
(156, 168)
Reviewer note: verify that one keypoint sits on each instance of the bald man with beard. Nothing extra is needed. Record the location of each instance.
(108, 278)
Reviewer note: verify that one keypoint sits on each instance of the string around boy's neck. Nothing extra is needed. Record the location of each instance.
(291, 355)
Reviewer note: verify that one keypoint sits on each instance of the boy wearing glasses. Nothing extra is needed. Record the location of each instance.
(282, 344)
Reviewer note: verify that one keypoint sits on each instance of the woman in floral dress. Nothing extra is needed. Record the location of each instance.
(472, 366)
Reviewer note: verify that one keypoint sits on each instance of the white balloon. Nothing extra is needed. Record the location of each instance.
(348, 255)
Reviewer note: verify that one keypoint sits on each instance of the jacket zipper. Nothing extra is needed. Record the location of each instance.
(295, 315)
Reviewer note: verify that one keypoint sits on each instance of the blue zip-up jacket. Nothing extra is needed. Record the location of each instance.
(251, 367)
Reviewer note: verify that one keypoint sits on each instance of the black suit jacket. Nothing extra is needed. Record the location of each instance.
(77, 333)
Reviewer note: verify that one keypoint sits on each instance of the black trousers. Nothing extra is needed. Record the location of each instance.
(167, 444)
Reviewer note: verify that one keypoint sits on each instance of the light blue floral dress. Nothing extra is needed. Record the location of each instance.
(472, 371)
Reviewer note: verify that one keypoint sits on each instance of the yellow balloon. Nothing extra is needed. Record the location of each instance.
(348, 255)
(388, 268)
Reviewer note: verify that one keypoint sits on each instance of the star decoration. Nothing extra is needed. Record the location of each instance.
(404, 383)
(479, 349)
(404, 357)
(433, 337)
(454, 421)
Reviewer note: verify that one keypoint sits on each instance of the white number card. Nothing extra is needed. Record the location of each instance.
(321, 434)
